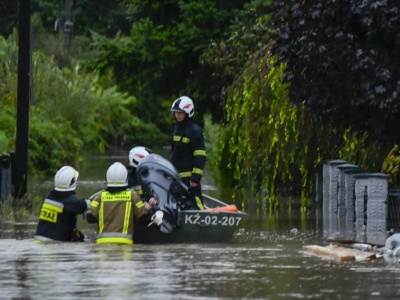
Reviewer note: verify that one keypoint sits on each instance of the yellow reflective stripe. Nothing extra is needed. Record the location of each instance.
(199, 203)
(54, 203)
(39, 239)
(139, 204)
(185, 140)
(61, 187)
(52, 207)
(176, 138)
(120, 196)
(199, 152)
(139, 192)
(185, 174)
(101, 218)
(94, 203)
(197, 171)
(120, 183)
(114, 240)
(128, 208)
(48, 215)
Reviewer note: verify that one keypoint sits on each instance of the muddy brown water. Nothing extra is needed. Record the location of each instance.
(263, 261)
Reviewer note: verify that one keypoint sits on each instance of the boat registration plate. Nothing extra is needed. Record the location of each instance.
(212, 220)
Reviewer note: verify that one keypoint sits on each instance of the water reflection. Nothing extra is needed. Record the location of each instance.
(264, 261)
(256, 265)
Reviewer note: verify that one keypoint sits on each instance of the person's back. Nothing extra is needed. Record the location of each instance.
(58, 215)
(115, 208)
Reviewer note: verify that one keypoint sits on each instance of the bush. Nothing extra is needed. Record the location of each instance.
(3, 142)
(391, 166)
(52, 144)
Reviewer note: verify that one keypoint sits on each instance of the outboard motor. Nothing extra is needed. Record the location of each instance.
(160, 179)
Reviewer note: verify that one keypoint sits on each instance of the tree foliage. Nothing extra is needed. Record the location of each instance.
(293, 83)
(107, 17)
(391, 166)
(8, 16)
(269, 135)
(248, 32)
(159, 61)
(342, 59)
(71, 112)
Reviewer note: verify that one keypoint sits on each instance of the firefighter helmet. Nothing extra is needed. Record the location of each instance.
(65, 179)
(183, 104)
(117, 175)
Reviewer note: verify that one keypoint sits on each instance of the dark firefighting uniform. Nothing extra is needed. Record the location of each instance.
(114, 210)
(134, 184)
(188, 155)
(58, 216)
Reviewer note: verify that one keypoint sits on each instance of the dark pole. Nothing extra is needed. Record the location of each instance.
(68, 30)
(23, 100)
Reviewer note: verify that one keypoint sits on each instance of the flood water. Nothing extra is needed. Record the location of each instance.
(263, 261)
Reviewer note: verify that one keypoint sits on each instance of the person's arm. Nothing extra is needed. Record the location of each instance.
(141, 207)
(199, 157)
(76, 205)
(93, 213)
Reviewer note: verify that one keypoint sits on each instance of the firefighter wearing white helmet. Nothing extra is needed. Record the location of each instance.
(136, 155)
(117, 175)
(65, 179)
(115, 208)
(188, 152)
(58, 215)
(183, 104)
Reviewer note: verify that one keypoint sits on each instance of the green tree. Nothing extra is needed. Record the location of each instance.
(8, 16)
(225, 57)
(107, 17)
(71, 113)
(342, 61)
(270, 138)
(159, 61)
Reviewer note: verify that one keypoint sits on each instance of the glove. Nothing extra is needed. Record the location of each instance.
(77, 236)
(157, 218)
(87, 203)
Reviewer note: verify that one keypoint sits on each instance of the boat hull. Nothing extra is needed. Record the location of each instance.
(194, 226)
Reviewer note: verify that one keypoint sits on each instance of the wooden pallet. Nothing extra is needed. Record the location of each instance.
(347, 241)
(339, 253)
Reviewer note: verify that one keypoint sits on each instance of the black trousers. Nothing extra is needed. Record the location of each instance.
(195, 200)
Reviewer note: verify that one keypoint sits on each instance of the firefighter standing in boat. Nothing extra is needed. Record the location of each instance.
(115, 208)
(188, 153)
(58, 215)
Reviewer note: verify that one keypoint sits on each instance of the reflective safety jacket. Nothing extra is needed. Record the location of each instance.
(58, 216)
(188, 153)
(114, 213)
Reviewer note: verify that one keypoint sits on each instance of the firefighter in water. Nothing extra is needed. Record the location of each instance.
(188, 153)
(58, 215)
(116, 208)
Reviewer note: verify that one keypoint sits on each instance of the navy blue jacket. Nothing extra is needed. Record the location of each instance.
(188, 153)
(58, 216)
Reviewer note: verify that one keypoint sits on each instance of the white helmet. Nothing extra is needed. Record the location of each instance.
(183, 104)
(137, 154)
(65, 179)
(117, 175)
